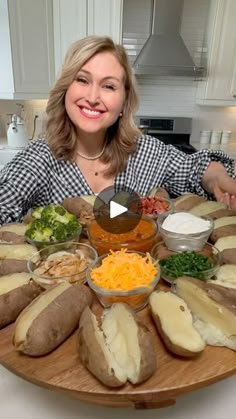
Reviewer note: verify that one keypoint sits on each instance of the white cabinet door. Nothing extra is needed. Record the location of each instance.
(105, 18)
(220, 86)
(29, 46)
(70, 24)
(75, 19)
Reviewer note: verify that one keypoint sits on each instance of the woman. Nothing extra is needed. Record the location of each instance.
(91, 142)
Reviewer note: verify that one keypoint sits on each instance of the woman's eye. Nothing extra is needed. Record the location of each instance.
(81, 80)
(109, 87)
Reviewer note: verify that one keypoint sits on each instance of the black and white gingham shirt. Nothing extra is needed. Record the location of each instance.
(35, 178)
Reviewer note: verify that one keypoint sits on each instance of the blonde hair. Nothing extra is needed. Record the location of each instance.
(61, 132)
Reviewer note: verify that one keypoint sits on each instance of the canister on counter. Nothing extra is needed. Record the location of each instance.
(225, 137)
(216, 136)
(205, 136)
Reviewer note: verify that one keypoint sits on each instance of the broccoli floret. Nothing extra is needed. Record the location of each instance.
(36, 212)
(53, 213)
(60, 232)
(39, 231)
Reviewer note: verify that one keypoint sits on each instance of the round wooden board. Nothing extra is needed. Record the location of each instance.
(62, 371)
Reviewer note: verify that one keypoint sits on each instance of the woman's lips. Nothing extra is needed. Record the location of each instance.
(90, 113)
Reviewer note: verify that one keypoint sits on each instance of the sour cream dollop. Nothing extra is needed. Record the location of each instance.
(185, 223)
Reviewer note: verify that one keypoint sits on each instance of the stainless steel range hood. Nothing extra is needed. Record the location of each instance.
(164, 52)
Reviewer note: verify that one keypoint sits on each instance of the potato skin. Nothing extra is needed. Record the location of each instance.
(14, 301)
(223, 231)
(75, 204)
(188, 203)
(10, 266)
(56, 322)
(221, 213)
(91, 354)
(228, 256)
(10, 237)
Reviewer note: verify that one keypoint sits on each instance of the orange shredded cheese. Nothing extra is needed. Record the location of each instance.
(123, 271)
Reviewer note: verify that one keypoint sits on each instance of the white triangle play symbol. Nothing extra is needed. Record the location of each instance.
(116, 209)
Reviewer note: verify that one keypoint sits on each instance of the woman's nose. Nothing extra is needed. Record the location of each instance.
(93, 94)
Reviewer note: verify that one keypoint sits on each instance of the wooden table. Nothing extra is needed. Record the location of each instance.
(62, 371)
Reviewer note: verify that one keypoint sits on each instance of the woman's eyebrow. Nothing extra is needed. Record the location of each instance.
(103, 79)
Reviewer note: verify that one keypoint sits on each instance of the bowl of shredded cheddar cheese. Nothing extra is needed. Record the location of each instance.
(123, 276)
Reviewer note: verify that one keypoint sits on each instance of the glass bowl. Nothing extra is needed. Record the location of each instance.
(179, 242)
(160, 252)
(136, 298)
(42, 244)
(152, 206)
(141, 238)
(71, 269)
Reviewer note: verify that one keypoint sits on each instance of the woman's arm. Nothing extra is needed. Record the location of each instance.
(217, 182)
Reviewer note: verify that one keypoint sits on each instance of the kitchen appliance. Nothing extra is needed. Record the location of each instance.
(164, 52)
(16, 132)
(170, 130)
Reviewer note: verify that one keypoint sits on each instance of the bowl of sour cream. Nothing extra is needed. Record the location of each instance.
(183, 231)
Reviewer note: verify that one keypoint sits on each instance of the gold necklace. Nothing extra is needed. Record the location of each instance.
(93, 157)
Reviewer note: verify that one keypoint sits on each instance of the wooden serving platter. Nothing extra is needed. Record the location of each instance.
(62, 371)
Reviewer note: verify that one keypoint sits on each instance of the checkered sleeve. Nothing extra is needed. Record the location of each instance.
(20, 181)
(185, 171)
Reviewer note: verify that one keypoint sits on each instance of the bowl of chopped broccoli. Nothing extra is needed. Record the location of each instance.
(51, 225)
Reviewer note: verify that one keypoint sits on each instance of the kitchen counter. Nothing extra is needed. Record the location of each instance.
(22, 400)
(229, 148)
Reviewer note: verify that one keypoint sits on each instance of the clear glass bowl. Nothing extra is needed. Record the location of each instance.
(74, 276)
(41, 245)
(136, 298)
(141, 238)
(160, 251)
(180, 242)
(149, 209)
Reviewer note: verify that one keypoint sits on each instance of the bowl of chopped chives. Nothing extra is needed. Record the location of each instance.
(202, 264)
(123, 276)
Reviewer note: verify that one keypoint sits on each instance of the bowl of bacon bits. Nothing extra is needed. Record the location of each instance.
(123, 276)
(61, 262)
(152, 206)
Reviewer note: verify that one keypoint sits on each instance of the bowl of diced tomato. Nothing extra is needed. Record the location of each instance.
(152, 206)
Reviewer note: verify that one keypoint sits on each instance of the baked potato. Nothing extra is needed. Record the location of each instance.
(174, 323)
(17, 290)
(45, 323)
(187, 201)
(223, 227)
(213, 209)
(214, 310)
(227, 248)
(118, 350)
(14, 257)
(13, 233)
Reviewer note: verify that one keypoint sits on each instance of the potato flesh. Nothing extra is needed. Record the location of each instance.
(206, 308)
(224, 221)
(121, 335)
(14, 228)
(228, 242)
(30, 313)
(207, 207)
(13, 281)
(176, 320)
(17, 251)
(227, 273)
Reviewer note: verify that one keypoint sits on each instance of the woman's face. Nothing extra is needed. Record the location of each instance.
(95, 98)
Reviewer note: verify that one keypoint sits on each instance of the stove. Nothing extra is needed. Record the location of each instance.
(173, 130)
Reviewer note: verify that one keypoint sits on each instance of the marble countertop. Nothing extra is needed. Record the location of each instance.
(23, 400)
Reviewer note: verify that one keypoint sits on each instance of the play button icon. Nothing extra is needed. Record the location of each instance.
(113, 211)
(116, 209)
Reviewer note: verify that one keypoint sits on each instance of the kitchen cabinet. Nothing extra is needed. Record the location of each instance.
(75, 19)
(26, 49)
(219, 89)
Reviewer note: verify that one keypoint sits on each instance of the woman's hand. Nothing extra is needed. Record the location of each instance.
(220, 184)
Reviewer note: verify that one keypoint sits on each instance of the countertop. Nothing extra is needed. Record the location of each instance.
(22, 400)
